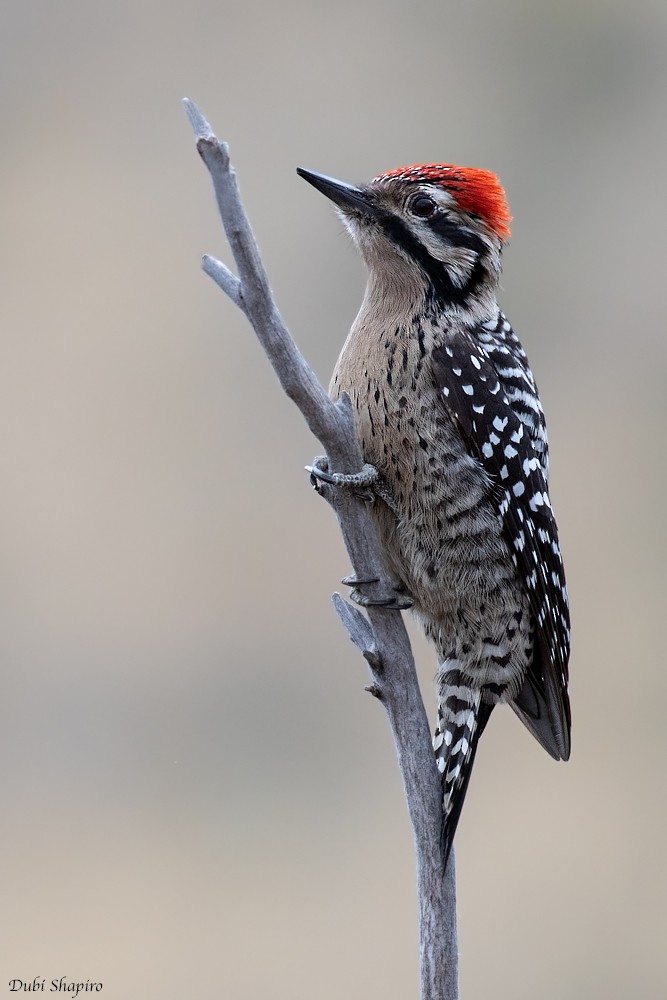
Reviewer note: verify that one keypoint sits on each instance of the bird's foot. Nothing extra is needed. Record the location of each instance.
(398, 600)
(367, 484)
(361, 483)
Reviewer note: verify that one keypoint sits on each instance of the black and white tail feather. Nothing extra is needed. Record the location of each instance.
(462, 716)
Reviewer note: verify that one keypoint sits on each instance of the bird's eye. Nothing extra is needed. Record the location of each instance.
(423, 206)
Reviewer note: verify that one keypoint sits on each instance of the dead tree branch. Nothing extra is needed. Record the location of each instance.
(381, 637)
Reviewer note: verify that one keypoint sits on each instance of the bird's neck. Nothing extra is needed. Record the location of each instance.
(461, 292)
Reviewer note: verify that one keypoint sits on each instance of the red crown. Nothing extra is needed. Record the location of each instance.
(475, 190)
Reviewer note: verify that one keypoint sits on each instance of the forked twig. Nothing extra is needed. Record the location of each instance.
(381, 637)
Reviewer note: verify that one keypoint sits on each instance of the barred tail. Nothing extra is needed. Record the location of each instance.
(462, 716)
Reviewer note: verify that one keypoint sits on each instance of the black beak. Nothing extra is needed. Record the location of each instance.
(346, 196)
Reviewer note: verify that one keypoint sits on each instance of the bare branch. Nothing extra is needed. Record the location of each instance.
(381, 636)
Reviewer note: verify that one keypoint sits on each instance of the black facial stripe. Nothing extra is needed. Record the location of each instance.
(454, 235)
(443, 287)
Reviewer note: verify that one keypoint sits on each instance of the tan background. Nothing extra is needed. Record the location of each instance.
(198, 799)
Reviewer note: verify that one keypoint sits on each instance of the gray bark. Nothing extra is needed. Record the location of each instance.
(380, 635)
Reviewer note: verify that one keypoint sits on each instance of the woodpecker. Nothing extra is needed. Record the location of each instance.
(450, 422)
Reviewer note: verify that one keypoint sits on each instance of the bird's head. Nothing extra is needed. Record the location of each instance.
(434, 225)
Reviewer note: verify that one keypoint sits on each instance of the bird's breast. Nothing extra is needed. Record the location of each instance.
(446, 544)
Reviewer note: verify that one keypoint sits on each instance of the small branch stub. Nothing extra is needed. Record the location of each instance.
(356, 624)
(225, 278)
(374, 660)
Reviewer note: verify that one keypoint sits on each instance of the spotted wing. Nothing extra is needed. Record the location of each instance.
(497, 434)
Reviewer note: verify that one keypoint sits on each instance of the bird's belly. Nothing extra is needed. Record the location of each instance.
(452, 555)
(448, 549)
(447, 538)
(468, 597)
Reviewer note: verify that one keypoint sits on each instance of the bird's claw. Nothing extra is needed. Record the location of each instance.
(396, 602)
(356, 581)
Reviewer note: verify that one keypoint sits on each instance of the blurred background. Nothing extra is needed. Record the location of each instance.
(198, 796)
